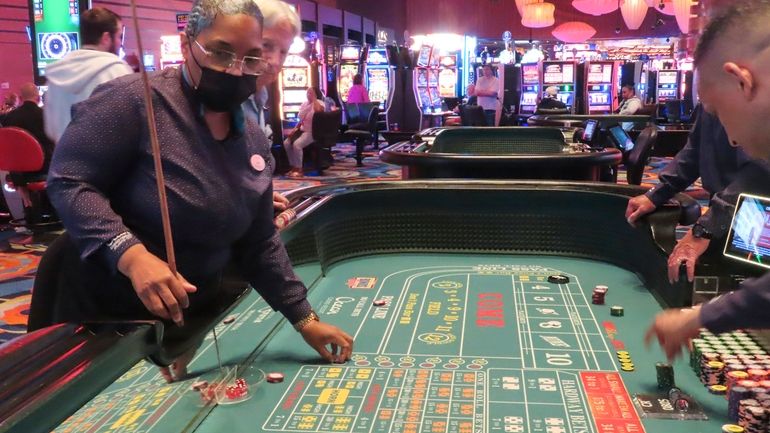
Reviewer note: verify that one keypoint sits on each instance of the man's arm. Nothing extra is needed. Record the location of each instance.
(744, 308)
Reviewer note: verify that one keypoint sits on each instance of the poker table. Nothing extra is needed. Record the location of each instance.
(500, 153)
(472, 336)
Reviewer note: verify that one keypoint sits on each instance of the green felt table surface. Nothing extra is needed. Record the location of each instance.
(465, 343)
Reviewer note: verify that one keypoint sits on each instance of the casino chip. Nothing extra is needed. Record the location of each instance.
(558, 279)
(379, 302)
(229, 319)
(275, 377)
(616, 311)
(732, 428)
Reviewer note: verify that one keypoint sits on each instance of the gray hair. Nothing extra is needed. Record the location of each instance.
(277, 12)
(204, 12)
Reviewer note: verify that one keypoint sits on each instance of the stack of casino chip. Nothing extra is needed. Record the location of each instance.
(752, 416)
(626, 364)
(712, 373)
(736, 395)
(665, 374)
(737, 352)
(599, 294)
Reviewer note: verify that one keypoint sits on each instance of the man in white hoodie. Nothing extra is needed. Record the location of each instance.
(74, 77)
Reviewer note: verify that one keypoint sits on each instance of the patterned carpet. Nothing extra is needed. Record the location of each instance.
(18, 261)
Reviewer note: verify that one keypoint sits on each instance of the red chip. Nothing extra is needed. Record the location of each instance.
(379, 303)
(275, 377)
(229, 319)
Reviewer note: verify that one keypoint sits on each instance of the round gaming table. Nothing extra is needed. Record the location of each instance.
(501, 153)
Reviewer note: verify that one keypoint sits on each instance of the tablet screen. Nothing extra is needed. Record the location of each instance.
(749, 238)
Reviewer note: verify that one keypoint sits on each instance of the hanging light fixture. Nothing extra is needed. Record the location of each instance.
(668, 6)
(574, 32)
(521, 3)
(634, 12)
(682, 11)
(595, 7)
(538, 15)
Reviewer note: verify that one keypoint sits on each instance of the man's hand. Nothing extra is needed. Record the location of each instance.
(319, 335)
(674, 329)
(638, 207)
(280, 203)
(686, 251)
(162, 292)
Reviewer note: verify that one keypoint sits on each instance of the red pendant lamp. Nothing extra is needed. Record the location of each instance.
(595, 7)
(634, 12)
(574, 32)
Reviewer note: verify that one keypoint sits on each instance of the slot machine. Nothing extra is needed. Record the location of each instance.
(349, 66)
(421, 80)
(563, 76)
(294, 81)
(600, 82)
(54, 32)
(667, 85)
(530, 88)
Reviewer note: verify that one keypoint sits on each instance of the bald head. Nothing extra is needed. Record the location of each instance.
(732, 60)
(29, 92)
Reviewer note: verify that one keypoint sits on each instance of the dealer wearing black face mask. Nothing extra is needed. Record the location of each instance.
(218, 174)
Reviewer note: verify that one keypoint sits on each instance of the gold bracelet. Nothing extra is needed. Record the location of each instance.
(312, 317)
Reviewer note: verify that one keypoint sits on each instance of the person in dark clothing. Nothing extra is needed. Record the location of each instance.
(730, 60)
(102, 181)
(29, 117)
(708, 155)
(550, 101)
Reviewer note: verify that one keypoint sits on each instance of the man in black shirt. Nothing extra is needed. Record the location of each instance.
(29, 116)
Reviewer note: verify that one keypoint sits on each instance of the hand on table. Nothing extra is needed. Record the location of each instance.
(178, 369)
(162, 292)
(674, 329)
(638, 207)
(319, 335)
(280, 203)
(686, 251)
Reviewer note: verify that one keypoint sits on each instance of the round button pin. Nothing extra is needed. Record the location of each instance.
(257, 162)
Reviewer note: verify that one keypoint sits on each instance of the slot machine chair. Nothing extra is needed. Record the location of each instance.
(472, 115)
(637, 158)
(363, 133)
(21, 153)
(326, 127)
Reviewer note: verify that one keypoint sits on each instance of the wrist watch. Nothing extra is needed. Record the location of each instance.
(312, 317)
(701, 232)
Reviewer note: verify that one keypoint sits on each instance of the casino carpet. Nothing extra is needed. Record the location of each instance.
(18, 260)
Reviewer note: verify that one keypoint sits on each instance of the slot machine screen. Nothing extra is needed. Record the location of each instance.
(347, 72)
(350, 53)
(553, 74)
(447, 83)
(530, 74)
(529, 99)
(294, 96)
(749, 238)
(667, 77)
(295, 77)
(432, 78)
(423, 58)
(422, 78)
(55, 31)
(424, 97)
(378, 84)
(377, 57)
(566, 98)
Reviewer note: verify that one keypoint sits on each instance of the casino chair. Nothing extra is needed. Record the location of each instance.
(21, 153)
(552, 111)
(326, 127)
(472, 115)
(638, 157)
(364, 133)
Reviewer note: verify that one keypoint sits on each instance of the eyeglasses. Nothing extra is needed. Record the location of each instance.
(250, 65)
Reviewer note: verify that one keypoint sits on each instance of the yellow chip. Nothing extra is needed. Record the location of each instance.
(627, 364)
(732, 428)
(627, 368)
(622, 357)
(622, 353)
